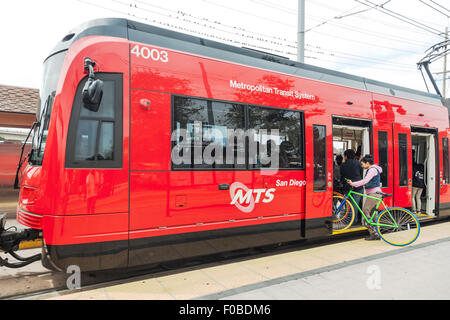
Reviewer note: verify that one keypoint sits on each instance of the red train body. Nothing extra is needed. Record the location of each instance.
(130, 205)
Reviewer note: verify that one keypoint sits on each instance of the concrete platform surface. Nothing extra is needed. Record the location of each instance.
(417, 274)
(355, 269)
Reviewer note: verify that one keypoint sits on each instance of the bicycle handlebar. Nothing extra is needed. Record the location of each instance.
(352, 187)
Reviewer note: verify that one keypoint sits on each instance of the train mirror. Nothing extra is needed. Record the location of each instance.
(93, 89)
(92, 94)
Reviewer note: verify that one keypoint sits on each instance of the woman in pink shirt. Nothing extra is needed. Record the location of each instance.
(371, 182)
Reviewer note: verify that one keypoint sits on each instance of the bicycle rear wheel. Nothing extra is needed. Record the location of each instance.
(406, 231)
(344, 217)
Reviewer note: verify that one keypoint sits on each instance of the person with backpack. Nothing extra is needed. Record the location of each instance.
(351, 169)
(372, 183)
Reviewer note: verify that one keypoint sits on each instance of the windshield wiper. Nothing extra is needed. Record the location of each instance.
(44, 122)
(38, 125)
(21, 160)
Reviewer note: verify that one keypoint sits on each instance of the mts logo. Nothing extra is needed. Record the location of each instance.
(245, 199)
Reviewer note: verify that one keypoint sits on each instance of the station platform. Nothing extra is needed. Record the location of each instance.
(353, 269)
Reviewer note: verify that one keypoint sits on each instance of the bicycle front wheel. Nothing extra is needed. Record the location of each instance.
(398, 226)
(343, 213)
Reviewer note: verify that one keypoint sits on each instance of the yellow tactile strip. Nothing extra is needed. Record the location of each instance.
(212, 280)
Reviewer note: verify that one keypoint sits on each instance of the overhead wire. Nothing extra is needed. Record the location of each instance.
(293, 44)
(359, 57)
(340, 37)
(386, 65)
(364, 43)
(339, 55)
(409, 41)
(428, 5)
(248, 13)
(371, 67)
(343, 15)
(358, 29)
(384, 36)
(177, 27)
(289, 44)
(204, 19)
(440, 5)
(398, 26)
(274, 6)
(325, 5)
(403, 18)
(182, 16)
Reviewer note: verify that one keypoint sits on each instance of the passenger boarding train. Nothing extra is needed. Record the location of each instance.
(103, 188)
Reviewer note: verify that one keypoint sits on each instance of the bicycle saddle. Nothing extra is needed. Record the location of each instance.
(384, 194)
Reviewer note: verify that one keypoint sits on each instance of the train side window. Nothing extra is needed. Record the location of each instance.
(201, 126)
(403, 159)
(205, 125)
(445, 159)
(95, 138)
(383, 157)
(320, 152)
(284, 128)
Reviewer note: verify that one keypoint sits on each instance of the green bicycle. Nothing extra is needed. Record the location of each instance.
(396, 226)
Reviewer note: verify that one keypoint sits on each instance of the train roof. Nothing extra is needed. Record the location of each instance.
(144, 33)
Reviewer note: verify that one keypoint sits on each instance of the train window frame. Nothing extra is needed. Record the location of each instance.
(325, 152)
(405, 163)
(445, 164)
(386, 156)
(209, 105)
(246, 107)
(301, 136)
(117, 119)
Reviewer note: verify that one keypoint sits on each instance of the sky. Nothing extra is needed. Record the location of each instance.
(352, 36)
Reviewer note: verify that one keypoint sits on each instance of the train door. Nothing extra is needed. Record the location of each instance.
(319, 177)
(402, 165)
(384, 157)
(352, 134)
(443, 174)
(424, 154)
(430, 173)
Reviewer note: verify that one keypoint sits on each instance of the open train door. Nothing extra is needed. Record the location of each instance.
(431, 173)
(424, 145)
(402, 166)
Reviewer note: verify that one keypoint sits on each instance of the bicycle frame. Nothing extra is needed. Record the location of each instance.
(369, 221)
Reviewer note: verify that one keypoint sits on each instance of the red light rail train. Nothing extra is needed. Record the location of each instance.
(119, 174)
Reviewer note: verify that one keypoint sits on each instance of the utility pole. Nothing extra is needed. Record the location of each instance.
(301, 31)
(444, 82)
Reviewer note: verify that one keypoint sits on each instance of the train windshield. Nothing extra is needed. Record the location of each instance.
(52, 71)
